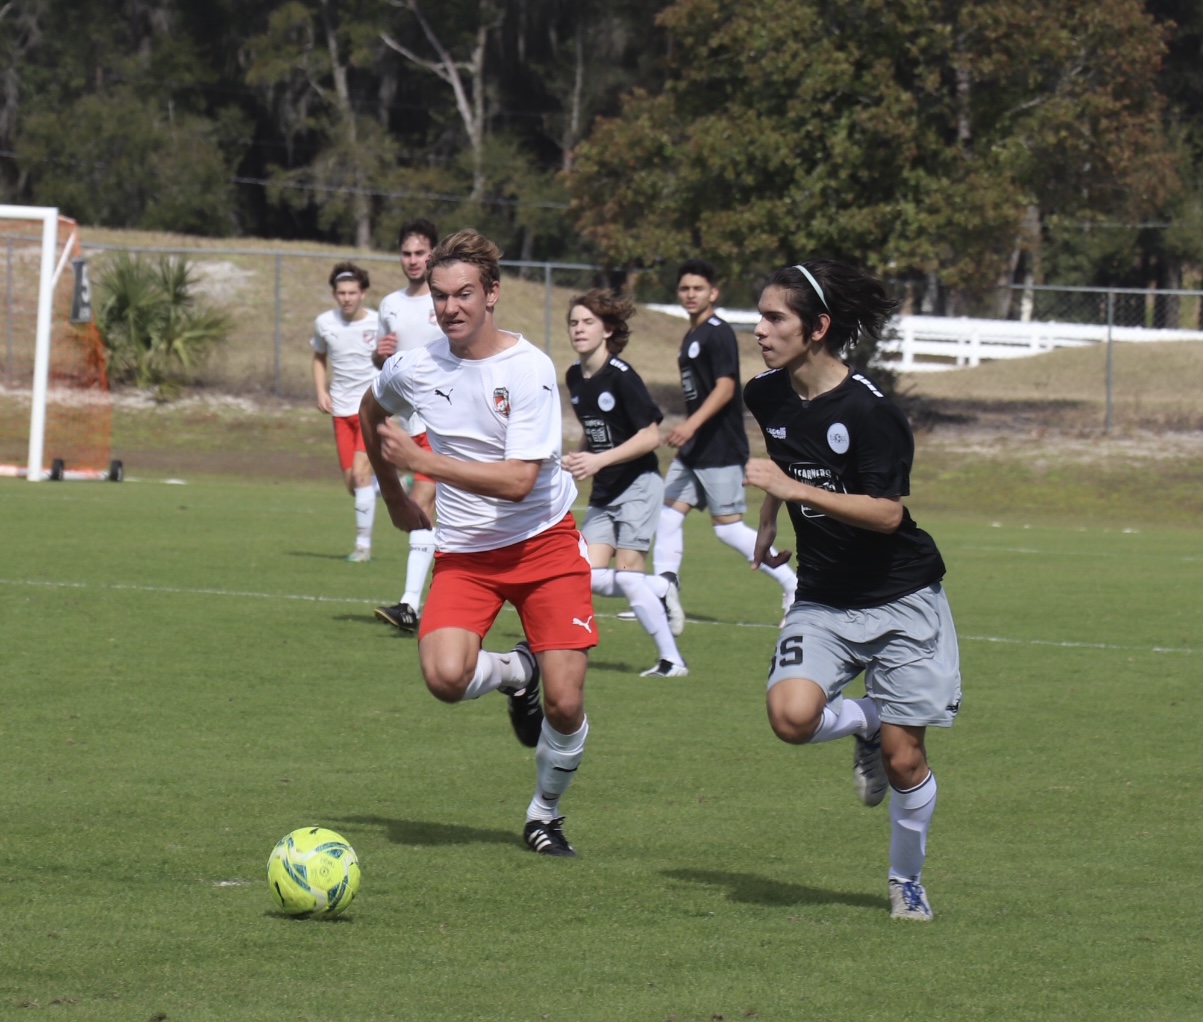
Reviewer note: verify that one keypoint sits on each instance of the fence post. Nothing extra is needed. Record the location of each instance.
(547, 308)
(8, 306)
(1110, 322)
(276, 343)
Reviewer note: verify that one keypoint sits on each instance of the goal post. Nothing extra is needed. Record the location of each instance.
(55, 366)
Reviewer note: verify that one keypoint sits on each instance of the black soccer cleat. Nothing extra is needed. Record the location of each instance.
(525, 706)
(547, 837)
(401, 616)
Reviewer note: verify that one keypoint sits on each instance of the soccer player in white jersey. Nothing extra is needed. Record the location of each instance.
(620, 431)
(505, 527)
(870, 597)
(408, 321)
(711, 444)
(344, 343)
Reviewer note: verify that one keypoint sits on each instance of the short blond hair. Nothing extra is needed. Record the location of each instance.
(468, 246)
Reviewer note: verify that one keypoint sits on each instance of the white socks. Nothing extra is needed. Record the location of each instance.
(910, 819)
(670, 541)
(650, 612)
(742, 538)
(856, 717)
(365, 512)
(557, 757)
(493, 670)
(640, 591)
(421, 553)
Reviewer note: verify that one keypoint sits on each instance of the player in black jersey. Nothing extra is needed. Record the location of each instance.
(707, 472)
(870, 597)
(621, 431)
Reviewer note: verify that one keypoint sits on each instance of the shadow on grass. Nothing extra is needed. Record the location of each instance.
(757, 890)
(423, 832)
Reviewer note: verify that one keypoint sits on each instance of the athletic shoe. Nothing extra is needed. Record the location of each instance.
(665, 669)
(547, 837)
(908, 900)
(360, 554)
(526, 709)
(672, 603)
(627, 615)
(400, 615)
(868, 771)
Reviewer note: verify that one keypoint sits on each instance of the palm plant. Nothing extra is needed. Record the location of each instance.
(155, 328)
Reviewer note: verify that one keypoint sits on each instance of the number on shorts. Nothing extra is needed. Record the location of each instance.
(789, 651)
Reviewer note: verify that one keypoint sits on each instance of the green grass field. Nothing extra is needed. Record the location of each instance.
(192, 671)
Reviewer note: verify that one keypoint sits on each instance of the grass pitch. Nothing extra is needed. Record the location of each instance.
(192, 671)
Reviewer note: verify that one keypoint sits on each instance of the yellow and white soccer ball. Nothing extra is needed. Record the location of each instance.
(313, 872)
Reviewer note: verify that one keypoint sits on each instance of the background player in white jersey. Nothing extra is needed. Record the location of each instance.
(620, 433)
(505, 527)
(344, 343)
(869, 579)
(408, 321)
(712, 447)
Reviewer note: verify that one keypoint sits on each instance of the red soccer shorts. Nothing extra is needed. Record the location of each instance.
(421, 441)
(348, 437)
(546, 578)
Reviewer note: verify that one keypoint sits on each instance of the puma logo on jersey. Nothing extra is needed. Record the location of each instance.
(587, 625)
(441, 394)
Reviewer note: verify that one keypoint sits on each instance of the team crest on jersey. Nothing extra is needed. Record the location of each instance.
(605, 401)
(837, 437)
(694, 350)
(369, 337)
(501, 401)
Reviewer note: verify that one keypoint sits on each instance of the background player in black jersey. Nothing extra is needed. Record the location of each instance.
(621, 431)
(870, 597)
(711, 444)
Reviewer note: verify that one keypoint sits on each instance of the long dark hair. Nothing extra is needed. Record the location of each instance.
(855, 302)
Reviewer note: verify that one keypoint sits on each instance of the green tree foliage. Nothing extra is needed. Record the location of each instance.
(910, 136)
(155, 328)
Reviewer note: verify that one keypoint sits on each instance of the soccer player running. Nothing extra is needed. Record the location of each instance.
(408, 321)
(870, 597)
(344, 343)
(621, 431)
(505, 527)
(711, 444)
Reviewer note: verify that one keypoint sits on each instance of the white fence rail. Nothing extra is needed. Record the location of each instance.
(937, 343)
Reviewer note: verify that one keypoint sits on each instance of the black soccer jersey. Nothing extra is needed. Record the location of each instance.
(613, 405)
(853, 439)
(709, 352)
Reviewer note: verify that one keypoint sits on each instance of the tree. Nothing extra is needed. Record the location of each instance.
(912, 138)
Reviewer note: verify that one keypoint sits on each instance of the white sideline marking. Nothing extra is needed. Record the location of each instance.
(362, 601)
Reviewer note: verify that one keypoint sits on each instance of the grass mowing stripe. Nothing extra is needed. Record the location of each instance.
(310, 598)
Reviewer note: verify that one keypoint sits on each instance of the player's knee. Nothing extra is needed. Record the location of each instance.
(564, 711)
(795, 709)
(447, 681)
(794, 728)
(906, 765)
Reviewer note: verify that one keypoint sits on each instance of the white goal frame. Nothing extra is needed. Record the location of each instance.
(48, 275)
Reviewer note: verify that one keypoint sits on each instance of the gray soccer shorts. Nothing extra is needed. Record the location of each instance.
(907, 650)
(719, 490)
(630, 522)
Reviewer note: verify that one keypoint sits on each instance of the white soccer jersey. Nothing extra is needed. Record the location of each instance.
(348, 348)
(412, 320)
(493, 409)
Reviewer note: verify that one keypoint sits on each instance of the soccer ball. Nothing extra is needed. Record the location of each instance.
(313, 872)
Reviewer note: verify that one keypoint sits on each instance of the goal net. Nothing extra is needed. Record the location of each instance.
(55, 407)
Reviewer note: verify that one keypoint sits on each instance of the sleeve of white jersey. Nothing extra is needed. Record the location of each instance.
(317, 342)
(389, 389)
(534, 429)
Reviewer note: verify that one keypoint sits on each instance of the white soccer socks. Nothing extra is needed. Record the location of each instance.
(421, 553)
(855, 717)
(670, 541)
(557, 757)
(365, 513)
(650, 613)
(910, 818)
(742, 538)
